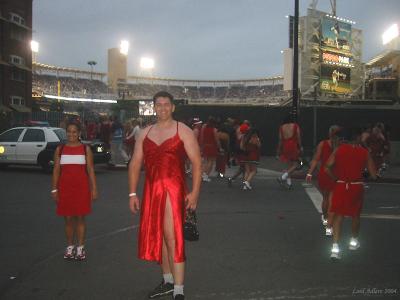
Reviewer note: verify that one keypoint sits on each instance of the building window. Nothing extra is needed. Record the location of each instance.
(15, 18)
(17, 100)
(17, 34)
(18, 60)
(18, 75)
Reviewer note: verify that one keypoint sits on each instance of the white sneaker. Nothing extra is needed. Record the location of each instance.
(244, 188)
(328, 231)
(206, 178)
(335, 252)
(247, 184)
(324, 221)
(354, 244)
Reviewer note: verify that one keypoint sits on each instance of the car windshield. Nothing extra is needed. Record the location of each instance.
(61, 134)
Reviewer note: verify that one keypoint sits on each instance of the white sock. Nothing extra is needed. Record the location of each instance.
(168, 278)
(178, 290)
(289, 181)
(335, 246)
(79, 249)
(285, 175)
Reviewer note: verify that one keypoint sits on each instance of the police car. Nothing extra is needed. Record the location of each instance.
(36, 146)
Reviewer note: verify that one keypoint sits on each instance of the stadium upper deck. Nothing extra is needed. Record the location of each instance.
(77, 83)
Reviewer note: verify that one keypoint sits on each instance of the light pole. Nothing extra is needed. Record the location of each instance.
(295, 108)
(91, 63)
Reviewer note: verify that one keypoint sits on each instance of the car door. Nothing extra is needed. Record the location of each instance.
(8, 145)
(32, 143)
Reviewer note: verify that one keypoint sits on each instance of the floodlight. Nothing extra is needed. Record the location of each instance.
(391, 33)
(147, 63)
(34, 46)
(124, 47)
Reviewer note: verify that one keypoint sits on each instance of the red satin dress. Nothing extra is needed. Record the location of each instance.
(290, 147)
(325, 182)
(348, 192)
(165, 175)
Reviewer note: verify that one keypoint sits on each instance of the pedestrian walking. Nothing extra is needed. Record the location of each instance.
(289, 149)
(345, 167)
(325, 183)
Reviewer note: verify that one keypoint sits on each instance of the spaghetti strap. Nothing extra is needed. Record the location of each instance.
(177, 127)
(149, 131)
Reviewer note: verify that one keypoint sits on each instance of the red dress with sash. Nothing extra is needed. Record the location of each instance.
(290, 147)
(348, 192)
(165, 175)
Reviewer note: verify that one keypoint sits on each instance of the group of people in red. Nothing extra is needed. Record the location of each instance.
(344, 158)
(165, 147)
(225, 143)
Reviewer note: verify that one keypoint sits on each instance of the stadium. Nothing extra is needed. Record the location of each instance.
(332, 77)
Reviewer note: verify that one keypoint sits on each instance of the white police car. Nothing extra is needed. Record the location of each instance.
(36, 146)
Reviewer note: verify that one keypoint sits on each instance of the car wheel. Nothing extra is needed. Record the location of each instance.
(47, 166)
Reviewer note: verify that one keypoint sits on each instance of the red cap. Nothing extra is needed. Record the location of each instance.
(244, 128)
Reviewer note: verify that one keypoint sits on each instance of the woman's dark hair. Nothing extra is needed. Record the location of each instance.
(163, 94)
(211, 122)
(74, 123)
(288, 119)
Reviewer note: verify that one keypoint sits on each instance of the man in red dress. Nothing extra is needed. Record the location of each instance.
(164, 147)
(289, 148)
(345, 166)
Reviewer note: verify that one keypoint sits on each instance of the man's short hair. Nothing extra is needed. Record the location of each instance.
(163, 94)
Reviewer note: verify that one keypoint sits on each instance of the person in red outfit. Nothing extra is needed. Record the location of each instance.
(251, 146)
(74, 189)
(210, 146)
(289, 148)
(164, 148)
(325, 183)
(345, 167)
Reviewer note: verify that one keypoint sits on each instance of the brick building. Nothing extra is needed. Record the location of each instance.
(15, 55)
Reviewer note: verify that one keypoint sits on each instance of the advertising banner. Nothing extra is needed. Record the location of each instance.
(335, 79)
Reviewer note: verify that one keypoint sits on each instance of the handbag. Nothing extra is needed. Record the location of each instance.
(190, 230)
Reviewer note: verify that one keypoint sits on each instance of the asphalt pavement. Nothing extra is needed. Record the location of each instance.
(267, 243)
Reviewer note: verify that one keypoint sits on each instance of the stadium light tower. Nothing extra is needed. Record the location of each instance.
(147, 65)
(35, 50)
(92, 63)
(124, 47)
(295, 101)
(390, 34)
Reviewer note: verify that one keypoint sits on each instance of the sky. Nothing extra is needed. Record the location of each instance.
(190, 39)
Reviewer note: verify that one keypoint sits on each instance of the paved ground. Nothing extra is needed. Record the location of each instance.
(262, 244)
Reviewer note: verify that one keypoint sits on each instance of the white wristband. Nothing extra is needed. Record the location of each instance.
(54, 191)
(132, 194)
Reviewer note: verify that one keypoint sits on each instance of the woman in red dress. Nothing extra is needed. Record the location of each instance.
(345, 167)
(325, 183)
(74, 188)
(251, 145)
(210, 146)
(164, 148)
(289, 148)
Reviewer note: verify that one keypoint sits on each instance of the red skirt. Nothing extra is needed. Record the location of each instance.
(290, 151)
(210, 150)
(347, 199)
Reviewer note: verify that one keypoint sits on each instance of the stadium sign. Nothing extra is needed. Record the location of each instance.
(336, 58)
